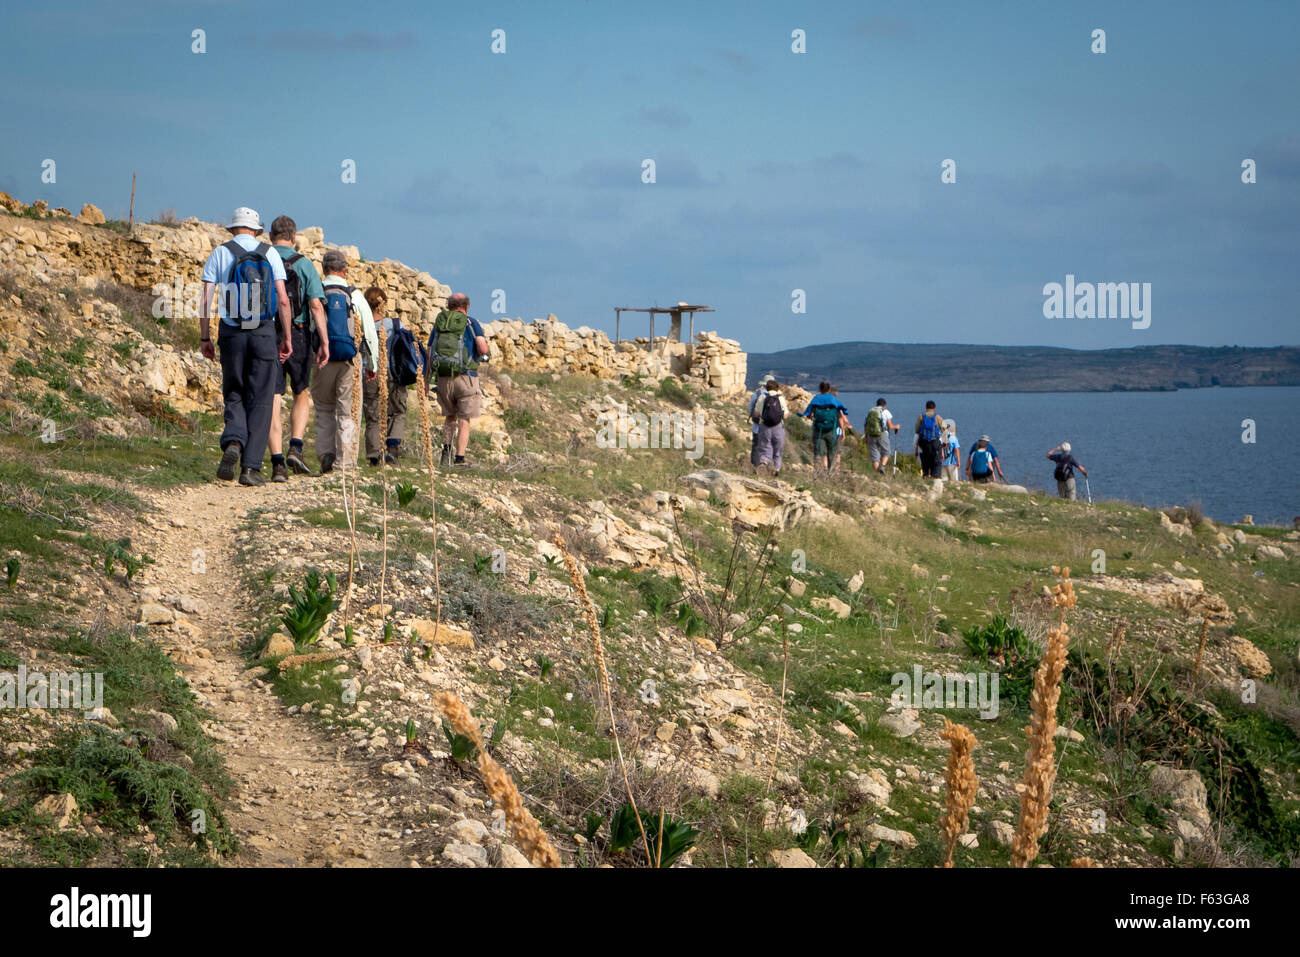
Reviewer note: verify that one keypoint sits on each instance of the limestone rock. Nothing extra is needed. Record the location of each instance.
(792, 857)
(61, 807)
(1252, 661)
(764, 504)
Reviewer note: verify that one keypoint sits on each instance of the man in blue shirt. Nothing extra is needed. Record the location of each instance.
(982, 462)
(1064, 473)
(824, 410)
(250, 359)
(457, 385)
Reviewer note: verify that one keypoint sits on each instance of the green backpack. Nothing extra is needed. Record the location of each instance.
(447, 352)
(875, 423)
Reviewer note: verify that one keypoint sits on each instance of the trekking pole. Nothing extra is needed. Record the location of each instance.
(1088, 488)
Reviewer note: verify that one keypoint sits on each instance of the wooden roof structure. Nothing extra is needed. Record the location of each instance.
(674, 325)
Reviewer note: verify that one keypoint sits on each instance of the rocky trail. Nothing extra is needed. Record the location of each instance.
(301, 799)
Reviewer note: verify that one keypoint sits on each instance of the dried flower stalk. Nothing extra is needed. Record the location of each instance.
(1040, 766)
(1200, 649)
(961, 782)
(593, 623)
(383, 456)
(532, 839)
(1117, 639)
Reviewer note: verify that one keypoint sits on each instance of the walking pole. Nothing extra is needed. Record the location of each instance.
(1089, 489)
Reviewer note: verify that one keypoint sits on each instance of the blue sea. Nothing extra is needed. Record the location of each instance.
(1154, 448)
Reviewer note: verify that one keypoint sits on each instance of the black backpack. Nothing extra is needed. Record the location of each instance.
(293, 287)
(773, 414)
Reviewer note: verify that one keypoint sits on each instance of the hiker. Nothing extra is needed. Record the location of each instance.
(982, 462)
(952, 452)
(842, 427)
(771, 427)
(880, 422)
(929, 440)
(405, 367)
(307, 313)
(1064, 472)
(754, 413)
(825, 411)
(456, 347)
(331, 386)
(250, 276)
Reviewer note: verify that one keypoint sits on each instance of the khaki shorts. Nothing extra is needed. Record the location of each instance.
(459, 396)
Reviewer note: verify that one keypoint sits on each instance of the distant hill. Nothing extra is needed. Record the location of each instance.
(923, 367)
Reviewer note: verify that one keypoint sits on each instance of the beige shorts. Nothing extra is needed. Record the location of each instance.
(460, 396)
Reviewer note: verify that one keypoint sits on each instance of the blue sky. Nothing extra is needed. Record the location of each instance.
(775, 171)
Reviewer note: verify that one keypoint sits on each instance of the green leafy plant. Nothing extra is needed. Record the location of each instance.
(592, 827)
(349, 636)
(544, 665)
(481, 563)
(119, 552)
(462, 746)
(552, 560)
(678, 836)
(410, 730)
(532, 575)
(607, 618)
(11, 571)
(865, 857)
(406, 493)
(310, 607)
(1003, 643)
(389, 632)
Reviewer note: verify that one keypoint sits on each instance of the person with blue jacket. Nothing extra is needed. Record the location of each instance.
(825, 411)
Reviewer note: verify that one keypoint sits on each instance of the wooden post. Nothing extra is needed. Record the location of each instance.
(618, 324)
(130, 216)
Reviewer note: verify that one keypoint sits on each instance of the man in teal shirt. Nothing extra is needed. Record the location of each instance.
(307, 304)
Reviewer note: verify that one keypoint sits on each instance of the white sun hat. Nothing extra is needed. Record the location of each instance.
(1065, 446)
(245, 217)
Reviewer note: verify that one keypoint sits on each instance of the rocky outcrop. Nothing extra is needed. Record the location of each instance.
(761, 504)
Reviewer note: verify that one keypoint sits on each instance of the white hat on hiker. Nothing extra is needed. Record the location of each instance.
(950, 426)
(246, 218)
(1065, 446)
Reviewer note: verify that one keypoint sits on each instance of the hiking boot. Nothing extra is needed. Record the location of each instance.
(460, 462)
(390, 458)
(251, 477)
(445, 458)
(373, 460)
(327, 463)
(296, 462)
(279, 473)
(229, 461)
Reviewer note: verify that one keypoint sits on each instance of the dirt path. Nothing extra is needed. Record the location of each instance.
(301, 799)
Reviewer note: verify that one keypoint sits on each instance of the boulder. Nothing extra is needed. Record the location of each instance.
(278, 645)
(763, 504)
(1250, 659)
(91, 215)
(792, 857)
(61, 807)
(1270, 553)
(900, 839)
(832, 604)
(901, 724)
(445, 635)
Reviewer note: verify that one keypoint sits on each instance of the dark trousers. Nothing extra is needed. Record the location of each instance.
(931, 456)
(250, 373)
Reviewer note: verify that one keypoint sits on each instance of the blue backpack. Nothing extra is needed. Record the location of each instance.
(980, 461)
(338, 323)
(930, 427)
(250, 291)
(406, 359)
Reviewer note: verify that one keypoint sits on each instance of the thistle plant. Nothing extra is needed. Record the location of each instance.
(961, 783)
(1040, 767)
